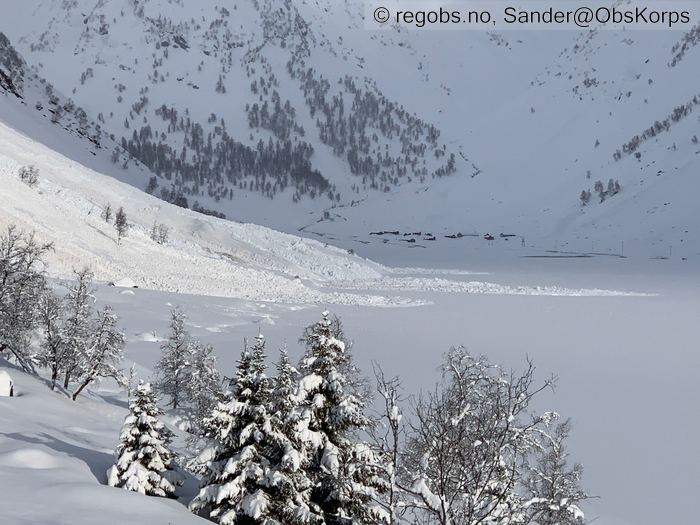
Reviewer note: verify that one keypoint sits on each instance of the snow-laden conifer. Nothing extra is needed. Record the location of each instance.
(287, 479)
(121, 224)
(187, 373)
(233, 489)
(174, 366)
(143, 458)
(345, 471)
(204, 388)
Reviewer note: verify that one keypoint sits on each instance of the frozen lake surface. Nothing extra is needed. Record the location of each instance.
(627, 366)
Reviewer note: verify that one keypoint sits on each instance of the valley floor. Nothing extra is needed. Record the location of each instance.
(626, 365)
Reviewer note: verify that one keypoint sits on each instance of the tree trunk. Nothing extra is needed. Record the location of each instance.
(66, 380)
(80, 388)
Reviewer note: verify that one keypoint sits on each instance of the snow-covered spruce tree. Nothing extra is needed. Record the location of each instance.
(159, 233)
(287, 479)
(78, 326)
(232, 489)
(204, 388)
(121, 224)
(21, 285)
(143, 458)
(345, 472)
(107, 213)
(104, 354)
(174, 367)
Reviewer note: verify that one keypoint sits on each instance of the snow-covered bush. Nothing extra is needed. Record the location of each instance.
(477, 453)
(143, 458)
(29, 175)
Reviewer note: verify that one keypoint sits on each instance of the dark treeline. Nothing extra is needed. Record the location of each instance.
(215, 163)
(679, 113)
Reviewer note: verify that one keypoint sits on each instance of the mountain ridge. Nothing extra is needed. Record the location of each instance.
(300, 83)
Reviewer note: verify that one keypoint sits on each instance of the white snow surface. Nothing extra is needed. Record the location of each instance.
(54, 454)
(476, 287)
(6, 384)
(125, 283)
(603, 349)
(204, 255)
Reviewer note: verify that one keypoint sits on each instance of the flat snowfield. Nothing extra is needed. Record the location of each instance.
(625, 364)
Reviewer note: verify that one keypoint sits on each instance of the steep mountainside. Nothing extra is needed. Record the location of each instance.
(217, 100)
(166, 247)
(32, 104)
(290, 113)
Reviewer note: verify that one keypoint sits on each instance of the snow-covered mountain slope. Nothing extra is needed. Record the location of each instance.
(543, 115)
(533, 120)
(203, 255)
(31, 104)
(220, 99)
